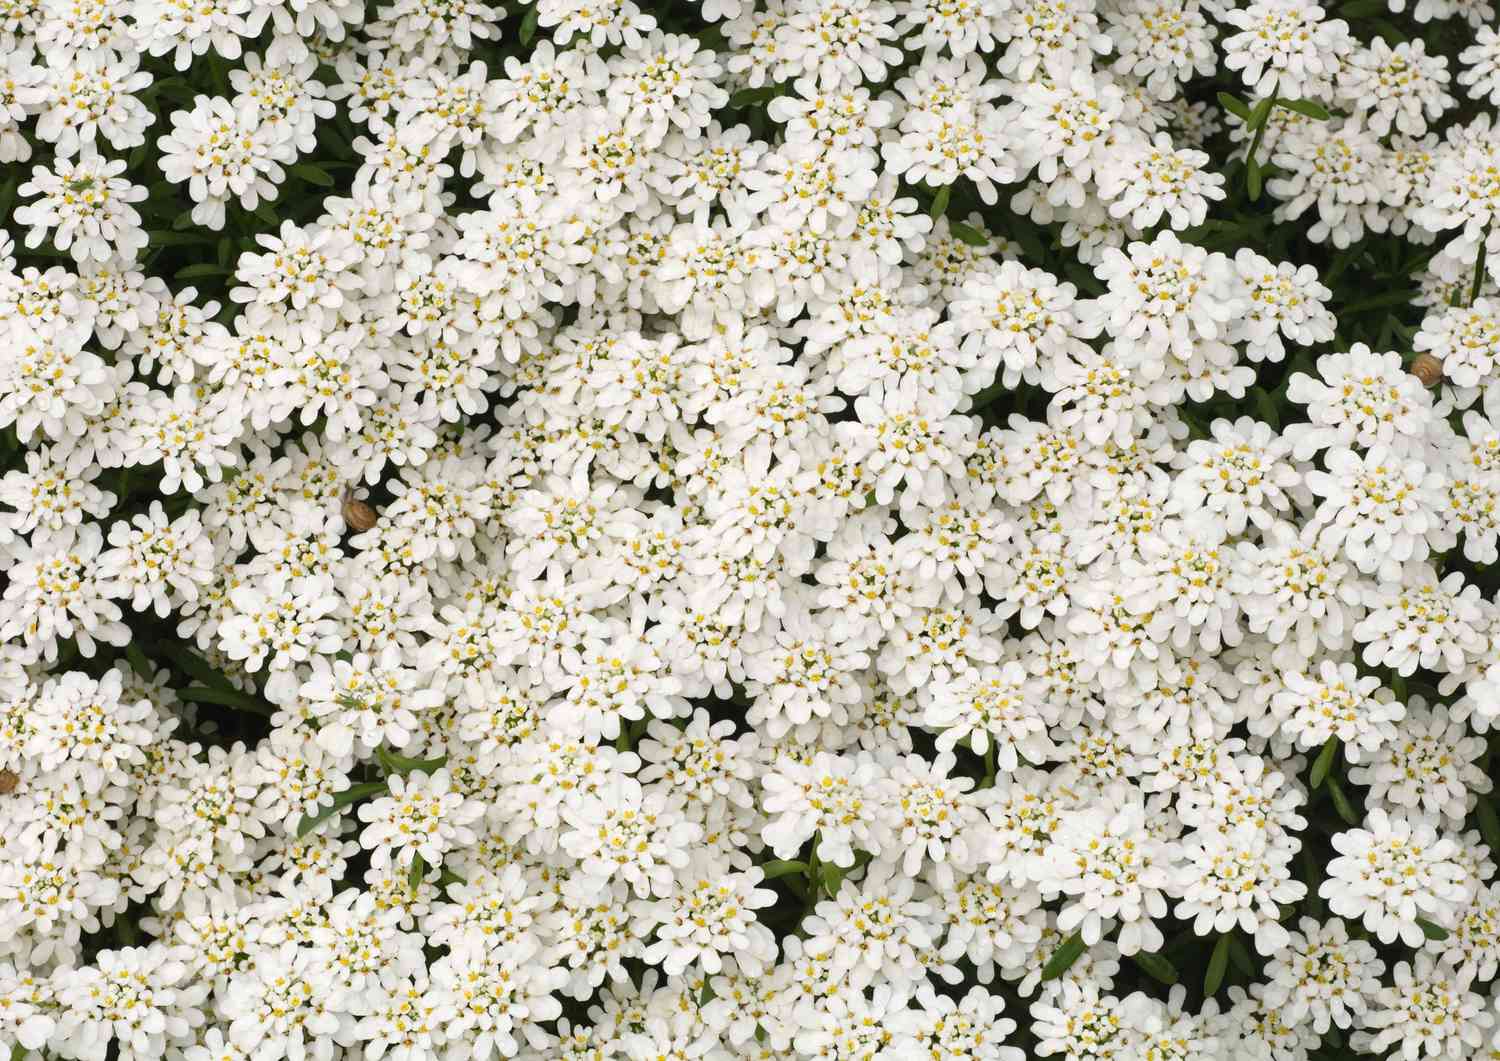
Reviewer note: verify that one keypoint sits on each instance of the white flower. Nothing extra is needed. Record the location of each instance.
(1394, 873)
(1335, 701)
(1401, 86)
(1323, 976)
(1429, 767)
(421, 818)
(1429, 1011)
(999, 705)
(1286, 47)
(1110, 867)
(161, 563)
(625, 831)
(137, 997)
(710, 916)
(84, 207)
(828, 797)
(1421, 620)
(1165, 298)
(1380, 508)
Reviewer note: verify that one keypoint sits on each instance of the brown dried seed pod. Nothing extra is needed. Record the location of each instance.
(358, 515)
(9, 780)
(1428, 369)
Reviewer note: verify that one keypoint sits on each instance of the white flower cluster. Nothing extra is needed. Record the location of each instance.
(625, 575)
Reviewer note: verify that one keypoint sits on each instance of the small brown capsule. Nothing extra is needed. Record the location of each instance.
(1428, 369)
(358, 515)
(9, 779)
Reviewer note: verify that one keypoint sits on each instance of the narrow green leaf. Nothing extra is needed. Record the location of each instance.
(1341, 802)
(1253, 179)
(1266, 406)
(138, 661)
(201, 271)
(754, 97)
(223, 697)
(782, 867)
(1305, 107)
(417, 872)
(199, 669)
(940, 201)
(968, 234)
(1390, 298)
(401, 764)
(313, 175)
(162, 238)
(1235, 106)
(1260, 112)
(1068, 952)
(1324, 762)
(1218, 965)
(1157, 966)
(1489, 824)
(528, 26)
(352, 794)
(1431, 931)
(1240, 956)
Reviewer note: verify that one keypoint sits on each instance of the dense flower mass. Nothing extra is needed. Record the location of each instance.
(853, 530)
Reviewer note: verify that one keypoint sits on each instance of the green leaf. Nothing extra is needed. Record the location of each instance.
(352, 794)
(162, 238)
(1260, 112)
(1240, 956)
(225, 698)
(416, 873)
(754, 97)
(313, 175)
(1489, 825)
(1324, 762)
(782, 867)
(1431, 931)
(1157, 966)
(940, 201)
(138, 661)
(1305, 107)
(1390, 298)
(1341, 802)
(201, 271)
(1218, 965)
(1253, 178)
(1266, 406)
(968, 234)
(401, 764)
(1235, 106)
(1068, 952)
(528, 26)
(199, 668)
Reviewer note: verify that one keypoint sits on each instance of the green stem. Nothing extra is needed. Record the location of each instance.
(814, 872)
(1479, 268)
